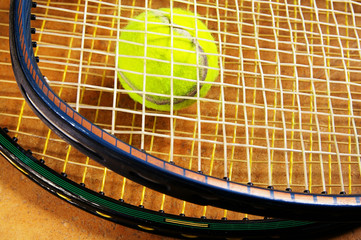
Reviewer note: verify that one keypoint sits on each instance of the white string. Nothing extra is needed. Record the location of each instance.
(199, 115)
(348, 92)
(171, 111)
(265, 105)
(315, 106)
(245, 34)
(81, 57)
(144, 91)
(222, 97)
(246, 127)
(298, 102)
(331, 111)
(115, 96)
(275, 33)
(359, 51)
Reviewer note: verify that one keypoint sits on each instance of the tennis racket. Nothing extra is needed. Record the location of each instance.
(157, 222)
(80, 181)
(286, 100)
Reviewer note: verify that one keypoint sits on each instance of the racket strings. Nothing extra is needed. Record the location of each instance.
(313, 107)
(289, 78)
(351, 121)
(332, 127)
(103, 181)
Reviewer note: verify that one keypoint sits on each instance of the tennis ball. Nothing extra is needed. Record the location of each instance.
(145, 54)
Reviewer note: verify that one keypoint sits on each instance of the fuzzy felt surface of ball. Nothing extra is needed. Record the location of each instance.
(166, 57)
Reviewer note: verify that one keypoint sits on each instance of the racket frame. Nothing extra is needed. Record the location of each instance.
(144, 219)
(146, 169)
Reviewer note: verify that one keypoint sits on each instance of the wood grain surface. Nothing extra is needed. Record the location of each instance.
(29, 212)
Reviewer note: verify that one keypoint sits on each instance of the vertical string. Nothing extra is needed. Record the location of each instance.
(144, 91)
(358, 44)
(349, 95)
(77, 106)
(265, 104)
(293, 39)
(314, 106)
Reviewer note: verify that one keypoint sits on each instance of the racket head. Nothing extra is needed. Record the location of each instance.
(147, 220)
(149, 170)
(30, 131)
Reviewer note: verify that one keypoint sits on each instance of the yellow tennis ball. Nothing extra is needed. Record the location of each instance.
(158, 49)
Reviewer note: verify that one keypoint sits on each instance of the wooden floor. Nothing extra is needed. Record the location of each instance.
(29, 212)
